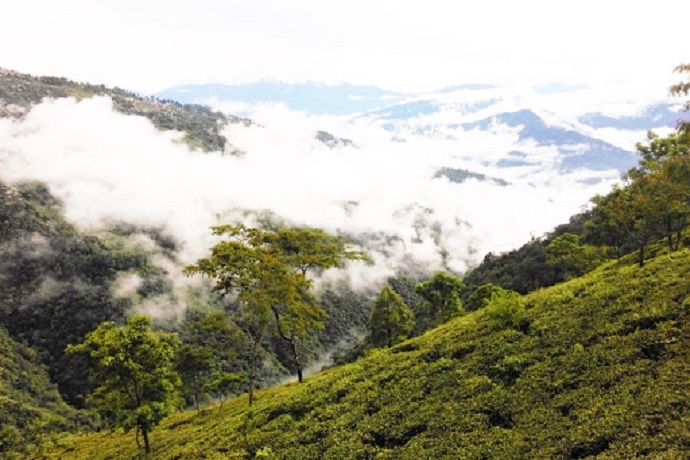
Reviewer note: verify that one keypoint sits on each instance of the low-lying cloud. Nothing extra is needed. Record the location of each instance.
(107, 167)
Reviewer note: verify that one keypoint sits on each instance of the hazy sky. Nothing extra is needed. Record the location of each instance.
(415, 45)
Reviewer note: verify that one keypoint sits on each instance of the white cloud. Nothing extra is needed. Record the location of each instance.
(106, 166)
(397, 44)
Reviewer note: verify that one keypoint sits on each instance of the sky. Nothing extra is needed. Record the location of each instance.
(151, 45)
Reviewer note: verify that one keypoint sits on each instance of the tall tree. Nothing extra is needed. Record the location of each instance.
(133, 373)
(267, 269)
(391, 320)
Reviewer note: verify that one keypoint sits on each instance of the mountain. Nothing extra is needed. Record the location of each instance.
(653, 117)
(578, 142)
(596, 367)
(202, 126)
(461, 175)
(582, 151)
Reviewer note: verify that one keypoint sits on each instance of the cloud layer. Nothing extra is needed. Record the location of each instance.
(108, 167)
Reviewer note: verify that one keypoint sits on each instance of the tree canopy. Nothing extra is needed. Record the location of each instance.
(441, 296)
(267, 272)
(391, 320)
(132, 370)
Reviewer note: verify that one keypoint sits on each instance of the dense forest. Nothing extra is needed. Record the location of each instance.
(572, 346)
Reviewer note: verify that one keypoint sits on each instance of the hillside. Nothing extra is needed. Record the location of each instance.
(202, 126)
(598, 367)
(29, 402)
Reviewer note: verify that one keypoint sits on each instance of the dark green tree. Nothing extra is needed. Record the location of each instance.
(212, 344)
(194, 364)
(391, 320)
(442, 300)
(571, 257)
(132, 369)
(481, 296)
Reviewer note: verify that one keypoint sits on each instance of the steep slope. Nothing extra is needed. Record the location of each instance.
(29, 402)
(598, 367)
(58, 283)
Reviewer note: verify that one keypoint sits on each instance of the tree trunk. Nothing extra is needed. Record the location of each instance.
(145, 433)
(252, 373)
(196, 392)
(291, 341)
(641, 256)
(669, 232)
(298, 362)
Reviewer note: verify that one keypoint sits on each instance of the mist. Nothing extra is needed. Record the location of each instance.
(107, 167)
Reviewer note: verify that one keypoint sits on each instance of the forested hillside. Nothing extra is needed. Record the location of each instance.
(59, 283)
(595, 367)
(30, 405)
(202, 126)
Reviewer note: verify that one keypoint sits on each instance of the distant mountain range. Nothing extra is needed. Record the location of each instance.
(457, 110)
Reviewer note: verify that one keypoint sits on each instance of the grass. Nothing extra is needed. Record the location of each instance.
(599, 368)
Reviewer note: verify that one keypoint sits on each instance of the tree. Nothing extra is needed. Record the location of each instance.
(254, 320)
(223, 384)
(505, 309)
(212, 345)
(267, 269)
(132, 370)
(654, 201)
(441, 296)
(664, 172)
(606, 228)
(194, 364)
(682, 88)
(571, 257)
(481, 296)
(391, 320)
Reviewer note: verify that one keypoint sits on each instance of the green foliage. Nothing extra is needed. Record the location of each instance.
(347, 313)
(652, 203)
(404, 284)
(573, 258)
(524, 269)
(223, 384)
(682, 88)
(30, 405)
(267, 272)
(441, 299)
(391, 320)
(201, 125)
(132, 369)
(194, 364)
(505, 309)
(481, 296)
(601, 371)
(58, 283)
